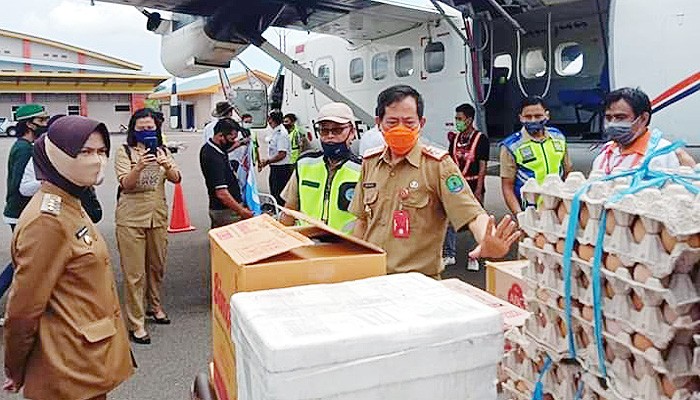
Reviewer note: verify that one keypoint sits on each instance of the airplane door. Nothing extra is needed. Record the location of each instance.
(324, 68)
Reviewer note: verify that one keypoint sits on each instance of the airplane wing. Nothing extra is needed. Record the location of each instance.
(349, 19)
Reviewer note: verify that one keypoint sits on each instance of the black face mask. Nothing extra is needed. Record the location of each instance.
(40, 130)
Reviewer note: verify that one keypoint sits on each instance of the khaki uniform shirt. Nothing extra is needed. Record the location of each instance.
(144, 206)
(436, 192)
(64, 331)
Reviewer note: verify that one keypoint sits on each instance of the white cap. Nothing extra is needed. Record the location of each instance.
(336, 112)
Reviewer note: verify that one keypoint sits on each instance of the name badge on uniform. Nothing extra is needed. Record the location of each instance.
(83, 233)
(401, 226)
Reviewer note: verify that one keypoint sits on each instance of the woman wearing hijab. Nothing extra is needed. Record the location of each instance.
(143, 165)
(64, 335)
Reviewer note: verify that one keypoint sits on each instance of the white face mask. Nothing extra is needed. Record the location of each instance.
(247, 125)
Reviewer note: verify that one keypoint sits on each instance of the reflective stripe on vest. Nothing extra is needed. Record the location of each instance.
(538, 159)
(328, 204)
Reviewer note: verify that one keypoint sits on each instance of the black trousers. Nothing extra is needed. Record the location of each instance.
(279, 176)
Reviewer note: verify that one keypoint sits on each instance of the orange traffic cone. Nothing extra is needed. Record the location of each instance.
(180, 218)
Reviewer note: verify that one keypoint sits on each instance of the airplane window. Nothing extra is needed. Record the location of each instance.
(504, 61)
(304, 84)
(357, 70)
(403, 63)
(434, 57)
(569, 59)
(324, 73)
(380, 66)
(533, 64)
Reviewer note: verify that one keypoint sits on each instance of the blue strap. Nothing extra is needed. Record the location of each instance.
(538, 393)
(579, 391)
(597, 295)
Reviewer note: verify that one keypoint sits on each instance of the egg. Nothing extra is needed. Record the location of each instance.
(667, 240)
(695, 313)
(642, 342)
(561, 303)
(562, 327)
(548, 396)
(610, 222)
(637, 302)
(667, 386)
(583, 338)
(694, 240)
(613, 327)
(587, 313)
(560, 246)
(520, 356)
(583, 281)
(609, 292)
(561, 213)
(638, 230)
(641, 273)
(583, 216)
(670, 315)
(540, 241)
(521, 386)
(539, 364)
(543, 295)
(609, 353)
(612, 262)
(586, 252)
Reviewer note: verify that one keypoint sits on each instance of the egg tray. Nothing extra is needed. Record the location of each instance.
(546, 325)
(681, 297)
(649, 250)
(662, 205)
(647, 388)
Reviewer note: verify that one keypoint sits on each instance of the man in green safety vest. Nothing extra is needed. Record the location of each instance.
(324, 183)
(535, 151)
(290, 123)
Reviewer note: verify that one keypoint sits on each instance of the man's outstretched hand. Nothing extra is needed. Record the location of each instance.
(497, 242)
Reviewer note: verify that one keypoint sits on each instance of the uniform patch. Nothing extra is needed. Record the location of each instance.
(369, 185)
(51, 204)
(413, 185)
(349, 194)
(435, 153)
(558, 146)
(454, 183)
(527, 154)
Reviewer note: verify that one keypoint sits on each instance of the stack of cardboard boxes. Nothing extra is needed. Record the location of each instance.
(633, 291)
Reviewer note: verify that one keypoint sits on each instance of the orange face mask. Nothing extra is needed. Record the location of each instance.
(401, 139)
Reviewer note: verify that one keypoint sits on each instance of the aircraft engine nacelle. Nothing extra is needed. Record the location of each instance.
(188, 51)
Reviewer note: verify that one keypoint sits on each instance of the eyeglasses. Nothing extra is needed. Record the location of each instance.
(328, 131)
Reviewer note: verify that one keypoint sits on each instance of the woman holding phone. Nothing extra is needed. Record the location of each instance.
(143, 165)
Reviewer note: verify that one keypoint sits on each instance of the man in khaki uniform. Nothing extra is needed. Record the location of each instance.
(64, 337)
(408, 191)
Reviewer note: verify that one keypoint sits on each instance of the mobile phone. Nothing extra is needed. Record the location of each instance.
(152, 145)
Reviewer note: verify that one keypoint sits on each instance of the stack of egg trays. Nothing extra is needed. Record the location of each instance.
(523, 364)
(672, 357)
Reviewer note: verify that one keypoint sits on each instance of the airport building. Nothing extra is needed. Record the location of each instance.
(70, 80)
(197, 97)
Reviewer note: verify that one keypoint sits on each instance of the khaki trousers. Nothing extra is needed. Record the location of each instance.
(142, 254)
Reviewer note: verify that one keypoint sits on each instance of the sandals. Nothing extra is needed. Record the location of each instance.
(139, 340)
(160, 321)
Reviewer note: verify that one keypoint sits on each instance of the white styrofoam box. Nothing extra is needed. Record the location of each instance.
(401, 336)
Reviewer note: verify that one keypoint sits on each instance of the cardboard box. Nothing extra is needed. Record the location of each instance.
(505, 281)
(260, 253)
(513, 316)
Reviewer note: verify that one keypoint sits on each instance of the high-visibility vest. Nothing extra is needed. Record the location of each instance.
(328, 203)
(536, 159)
(295, 144)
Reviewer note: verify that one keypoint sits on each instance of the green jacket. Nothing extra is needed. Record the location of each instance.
(20, 155)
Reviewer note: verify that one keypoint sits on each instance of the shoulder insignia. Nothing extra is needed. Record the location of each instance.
(435, 153)
(51, 204)
(375, 151)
